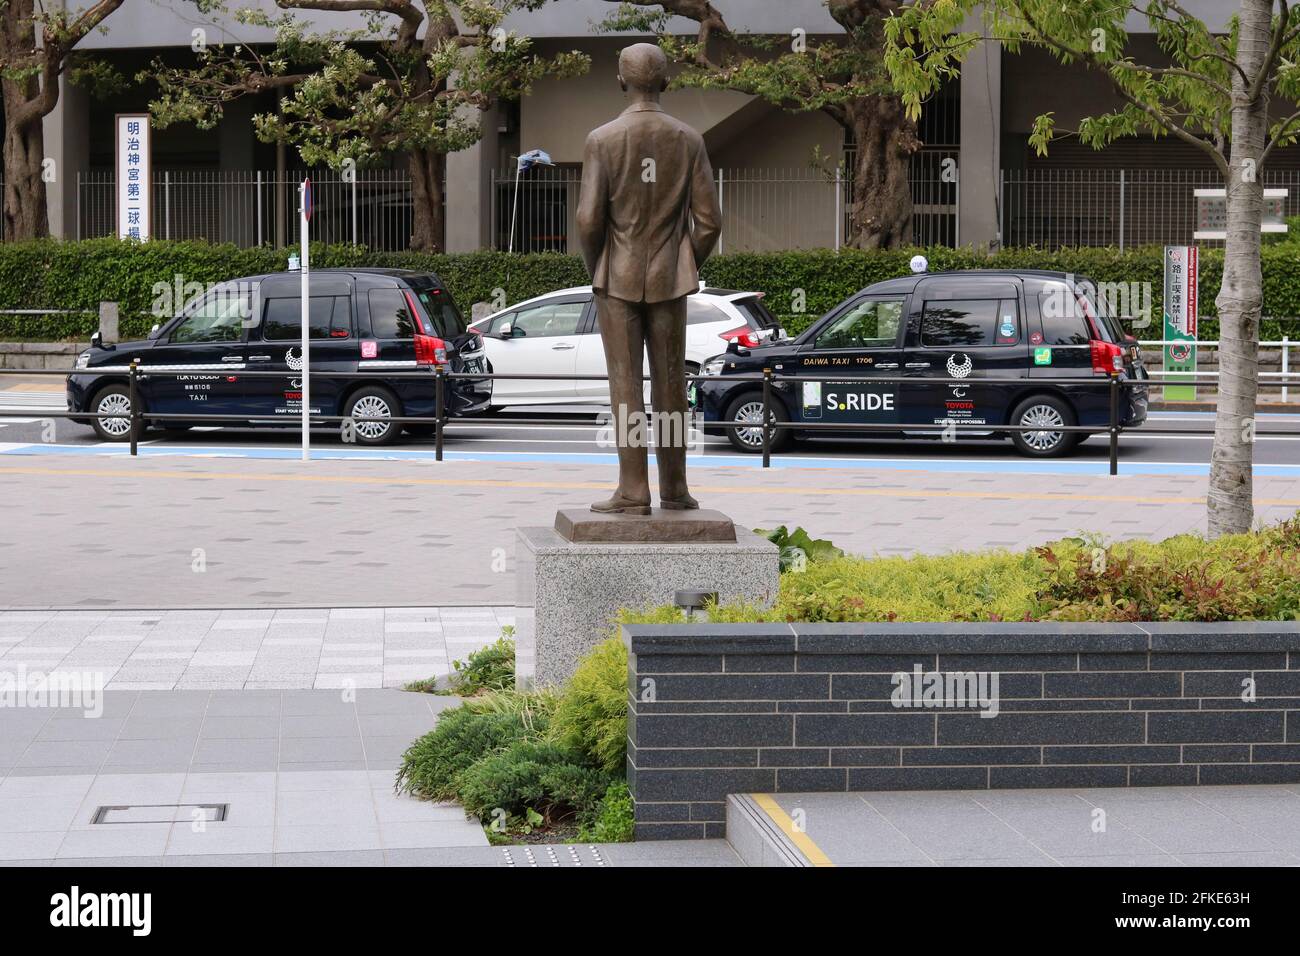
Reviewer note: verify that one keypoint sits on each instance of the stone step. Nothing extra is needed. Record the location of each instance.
(755, 832)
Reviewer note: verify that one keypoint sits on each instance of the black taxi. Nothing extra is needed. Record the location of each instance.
(360, 320)
(1010, 339)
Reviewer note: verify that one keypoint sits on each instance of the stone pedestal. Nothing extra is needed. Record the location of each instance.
(570, 590)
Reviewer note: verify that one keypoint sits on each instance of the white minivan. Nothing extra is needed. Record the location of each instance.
(556, 334)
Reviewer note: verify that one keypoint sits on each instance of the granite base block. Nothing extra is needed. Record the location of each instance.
(569, 592)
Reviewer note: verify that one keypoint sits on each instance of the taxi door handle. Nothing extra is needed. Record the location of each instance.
(918, 365)
(259, 358)
(562, 346)
(887, 365)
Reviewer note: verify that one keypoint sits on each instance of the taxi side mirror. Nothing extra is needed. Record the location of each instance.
(506, 331)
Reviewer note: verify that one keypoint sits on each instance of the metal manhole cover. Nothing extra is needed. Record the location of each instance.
(162, 813)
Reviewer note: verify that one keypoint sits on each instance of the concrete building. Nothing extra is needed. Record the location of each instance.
(226, 185)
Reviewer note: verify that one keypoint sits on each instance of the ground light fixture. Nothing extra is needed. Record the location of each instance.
(691, 600)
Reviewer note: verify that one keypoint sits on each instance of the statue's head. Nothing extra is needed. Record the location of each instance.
(643, 68)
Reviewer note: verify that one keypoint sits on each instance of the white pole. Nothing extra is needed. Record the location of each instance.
(1286, 365)
(306, 319)
(839, 211)
(721, 215)
(514, 211)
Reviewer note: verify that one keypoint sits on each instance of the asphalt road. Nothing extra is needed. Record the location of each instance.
(579, 437)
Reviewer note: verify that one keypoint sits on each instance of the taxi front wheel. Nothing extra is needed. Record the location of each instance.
(745, 428)
(114, 400)
(1043, 413)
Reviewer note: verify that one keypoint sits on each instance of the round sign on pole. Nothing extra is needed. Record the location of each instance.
(306, 198)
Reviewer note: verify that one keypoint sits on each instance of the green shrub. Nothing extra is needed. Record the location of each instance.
(54, 274)
(1252, 576)
(499, 756)
(798, 548)
(463, 735)
(1244, 577)
(612, 821)
(529, 774)
(591, 715)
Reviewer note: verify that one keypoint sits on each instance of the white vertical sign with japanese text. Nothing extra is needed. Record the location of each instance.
(134, 176)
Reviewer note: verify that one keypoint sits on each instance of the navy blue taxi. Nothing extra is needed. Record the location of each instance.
(1034, 328)
(382, 320)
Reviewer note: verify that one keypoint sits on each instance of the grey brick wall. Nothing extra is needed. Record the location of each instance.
(716, 709)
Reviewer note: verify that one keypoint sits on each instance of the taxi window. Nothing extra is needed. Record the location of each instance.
(962, 323)
(390, 315)
(330, 318)
(440, 307)
(219, 317)
(871, 323)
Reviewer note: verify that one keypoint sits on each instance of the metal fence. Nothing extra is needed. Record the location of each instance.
(1051, 208)
(134, 415)
(252, 207)
(762, 209)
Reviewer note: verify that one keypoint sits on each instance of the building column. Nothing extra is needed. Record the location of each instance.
(66, 133)
(235, 139)
(469, 189)
(980, 160)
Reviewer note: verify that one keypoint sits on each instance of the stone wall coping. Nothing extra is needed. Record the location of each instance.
(59, 348)
(547, 541)
(964, 638)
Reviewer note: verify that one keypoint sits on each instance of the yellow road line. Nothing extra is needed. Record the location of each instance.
(811, 851)
(600, 485)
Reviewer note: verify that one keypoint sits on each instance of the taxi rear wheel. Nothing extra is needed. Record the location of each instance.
(372, 402)
(745, 428)
(114, 400)
(1044, 413)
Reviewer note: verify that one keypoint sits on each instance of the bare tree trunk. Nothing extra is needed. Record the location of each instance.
(427, 229)
(26, 216)
(1240, 299)
(881, 210)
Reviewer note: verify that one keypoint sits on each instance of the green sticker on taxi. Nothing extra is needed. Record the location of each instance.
(1043, 356)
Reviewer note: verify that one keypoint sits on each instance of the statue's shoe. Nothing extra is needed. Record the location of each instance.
(618, 505)
(683, 503)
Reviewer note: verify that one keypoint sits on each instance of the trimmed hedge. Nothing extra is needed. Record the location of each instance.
(50, 273)
(1241, 577)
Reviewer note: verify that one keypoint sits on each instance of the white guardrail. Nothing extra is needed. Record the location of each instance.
(1285, 344)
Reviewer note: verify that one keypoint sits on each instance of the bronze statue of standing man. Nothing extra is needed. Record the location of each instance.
(648, 217)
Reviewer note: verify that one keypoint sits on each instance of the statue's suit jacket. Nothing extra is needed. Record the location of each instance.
(636, 235)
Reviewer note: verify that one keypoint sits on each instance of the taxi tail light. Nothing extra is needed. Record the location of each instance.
(1107, 358)
(742, 335)
(430, 350)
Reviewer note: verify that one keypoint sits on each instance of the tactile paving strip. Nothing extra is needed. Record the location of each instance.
(553, 855)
